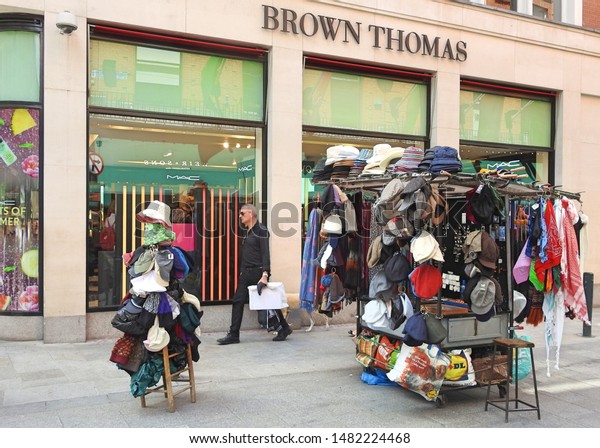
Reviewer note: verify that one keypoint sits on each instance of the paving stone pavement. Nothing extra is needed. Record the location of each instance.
(309, 381)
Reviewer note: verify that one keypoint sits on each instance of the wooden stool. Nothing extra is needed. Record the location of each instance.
(169, 378)
(509, 345)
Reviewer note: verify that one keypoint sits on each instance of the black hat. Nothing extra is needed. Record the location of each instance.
(483, 204)
(397, 268)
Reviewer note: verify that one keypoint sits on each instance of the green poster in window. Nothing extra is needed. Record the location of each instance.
(136, 77)
(487, 117)
(350, 101)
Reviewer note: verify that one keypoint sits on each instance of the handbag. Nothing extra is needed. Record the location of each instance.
(350, 217)
(107, 238)
(273, 322)
(436, 332)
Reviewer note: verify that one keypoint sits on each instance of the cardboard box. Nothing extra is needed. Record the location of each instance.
(483, 369)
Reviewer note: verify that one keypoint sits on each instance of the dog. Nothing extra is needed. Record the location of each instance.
(310, 314)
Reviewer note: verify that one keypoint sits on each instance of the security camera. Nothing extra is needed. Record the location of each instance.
(66, 22)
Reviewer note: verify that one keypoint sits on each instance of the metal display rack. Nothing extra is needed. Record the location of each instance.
(463, 329)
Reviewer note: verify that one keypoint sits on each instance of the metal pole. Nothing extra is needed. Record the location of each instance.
(588, 288)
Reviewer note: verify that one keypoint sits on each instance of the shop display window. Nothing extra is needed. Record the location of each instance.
(507, 128)
(20, 170)
(203, 172)
(19, 211)
(314, 147)
(341, 100)
(19, 65)
(170, 81)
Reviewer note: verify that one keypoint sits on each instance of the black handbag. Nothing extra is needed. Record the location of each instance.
(436, 332)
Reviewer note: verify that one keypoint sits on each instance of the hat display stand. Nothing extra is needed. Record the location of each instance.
(161, 321)
(462, 332)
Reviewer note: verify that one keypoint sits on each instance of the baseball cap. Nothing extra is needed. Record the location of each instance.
(489, 251)
(483, 296)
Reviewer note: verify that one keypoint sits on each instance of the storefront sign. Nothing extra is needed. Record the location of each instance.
(310, 25)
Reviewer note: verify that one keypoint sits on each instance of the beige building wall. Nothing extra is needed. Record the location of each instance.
(501, 47)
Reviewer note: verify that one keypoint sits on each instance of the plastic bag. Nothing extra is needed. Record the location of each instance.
(524, 356)
(377, 377)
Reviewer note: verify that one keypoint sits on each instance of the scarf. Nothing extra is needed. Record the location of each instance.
(310, 282)
(572, 280)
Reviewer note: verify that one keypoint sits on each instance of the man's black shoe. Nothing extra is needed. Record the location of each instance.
(282, 334)
(228, 339)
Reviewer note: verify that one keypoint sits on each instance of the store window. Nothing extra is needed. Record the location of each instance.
(20, 73)
(359, 106)
(145, 78)
(314, 147)
(19, 65)
(334, 99)
(572, 12)
(181, 127)
(204, 172)
(506, 127)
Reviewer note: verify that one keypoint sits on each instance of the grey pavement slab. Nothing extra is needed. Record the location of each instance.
(309, 381)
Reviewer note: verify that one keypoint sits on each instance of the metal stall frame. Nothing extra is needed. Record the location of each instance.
(456, 186)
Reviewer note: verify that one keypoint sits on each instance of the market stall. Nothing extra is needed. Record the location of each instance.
(449, 262)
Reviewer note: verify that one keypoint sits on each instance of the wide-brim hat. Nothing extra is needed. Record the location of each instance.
(379, 152)
(392, 155)
(190, 298)
(156, 212)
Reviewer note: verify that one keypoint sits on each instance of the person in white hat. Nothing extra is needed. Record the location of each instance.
(255, 269)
